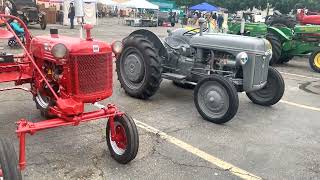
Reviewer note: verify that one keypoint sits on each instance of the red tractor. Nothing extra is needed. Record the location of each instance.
(303, 18)
(64, 73)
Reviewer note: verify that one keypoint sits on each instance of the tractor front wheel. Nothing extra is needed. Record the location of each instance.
(8, 161)
(314, 61)
(43, 103)
(124, 144)
(216, 99)
(139, 67)
(272, 92)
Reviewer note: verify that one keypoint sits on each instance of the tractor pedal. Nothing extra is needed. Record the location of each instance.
(172, 76)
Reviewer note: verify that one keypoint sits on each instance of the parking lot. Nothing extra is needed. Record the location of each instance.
(278, 142)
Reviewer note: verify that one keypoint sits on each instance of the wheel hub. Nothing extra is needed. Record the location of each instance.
(134, 68)
(119, 144)
(317, 60)
(213, 99)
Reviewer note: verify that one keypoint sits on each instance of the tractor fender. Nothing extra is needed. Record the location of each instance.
(279, 33)
(162, 51)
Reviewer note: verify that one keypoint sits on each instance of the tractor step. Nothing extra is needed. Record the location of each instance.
(172, 76)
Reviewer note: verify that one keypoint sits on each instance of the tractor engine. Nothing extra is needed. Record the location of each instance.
(77, 69)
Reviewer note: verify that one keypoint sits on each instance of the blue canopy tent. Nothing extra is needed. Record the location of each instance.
(204, 7)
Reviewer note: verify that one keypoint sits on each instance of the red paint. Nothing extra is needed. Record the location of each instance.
(84, 75)
(308, 19)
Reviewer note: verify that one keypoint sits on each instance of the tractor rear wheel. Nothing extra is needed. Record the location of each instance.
(283, 21)
(216, 99)
(139, 67)
(8, 161)
(285, 59)
(314, 61)
(126, 144)
(272, 92)
(276, 47)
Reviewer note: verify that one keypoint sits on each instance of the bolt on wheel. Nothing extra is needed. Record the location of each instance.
(124, 144)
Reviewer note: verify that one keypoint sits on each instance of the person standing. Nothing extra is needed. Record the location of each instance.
(7, 9)
(71, 15)
(220, 21)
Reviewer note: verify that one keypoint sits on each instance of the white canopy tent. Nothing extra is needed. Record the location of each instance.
(142, 4)
(89, 8)
(109, 2)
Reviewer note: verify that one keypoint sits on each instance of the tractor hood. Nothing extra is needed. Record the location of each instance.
(43, 44)
(228, 42)
(307, 29)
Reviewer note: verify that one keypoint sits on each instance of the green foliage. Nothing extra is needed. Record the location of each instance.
(284, 6)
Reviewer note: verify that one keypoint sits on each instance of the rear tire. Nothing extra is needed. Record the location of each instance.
(272, 92)
(285, 58)
(276, 47)
(216, 99)
(314, 61)
(285, 21)
(124, 149)
(8, 161)
(139, 67)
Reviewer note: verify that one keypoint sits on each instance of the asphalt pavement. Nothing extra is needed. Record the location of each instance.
(278, 142)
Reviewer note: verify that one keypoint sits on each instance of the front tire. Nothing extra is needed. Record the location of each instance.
(8, 161)
(272, 92)
(43, 103)
(139, 68)
(314, 61)
(216, 99)
(125, 148)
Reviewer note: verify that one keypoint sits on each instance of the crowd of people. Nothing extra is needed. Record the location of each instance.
(216, 19)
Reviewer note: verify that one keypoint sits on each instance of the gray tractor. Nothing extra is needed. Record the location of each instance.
(216, 65)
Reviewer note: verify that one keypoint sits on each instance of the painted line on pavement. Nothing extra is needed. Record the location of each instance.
(299, 75)
(300, 105)
(195, 151)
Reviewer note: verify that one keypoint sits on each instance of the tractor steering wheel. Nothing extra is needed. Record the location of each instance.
(194, 31)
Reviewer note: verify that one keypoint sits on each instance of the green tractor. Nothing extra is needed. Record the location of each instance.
(302, 40)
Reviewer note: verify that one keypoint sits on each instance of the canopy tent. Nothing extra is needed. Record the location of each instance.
(109, 2)
(142, 4)
(89, 8)
(204, 7)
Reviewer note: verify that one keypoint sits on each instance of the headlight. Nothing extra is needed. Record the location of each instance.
(117, 47)
(242, 58)
(59, 51)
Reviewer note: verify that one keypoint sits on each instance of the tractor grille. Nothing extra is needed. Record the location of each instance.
(260, 70)
(91, 73)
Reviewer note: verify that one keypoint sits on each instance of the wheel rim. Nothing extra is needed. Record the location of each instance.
(119, 145)
(132, 68)
(317, 60)
(213, 99)
(43, 101)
